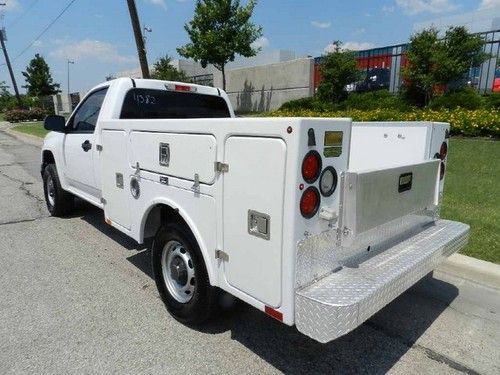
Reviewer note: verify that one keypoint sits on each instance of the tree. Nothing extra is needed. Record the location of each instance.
(163, 70)
(436, 62)
(39, 81)
(5, 96)
(220, 30)
(4, 89)
(338, 70)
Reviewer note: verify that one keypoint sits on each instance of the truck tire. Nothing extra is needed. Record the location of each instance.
(59, 202)
(181, 275)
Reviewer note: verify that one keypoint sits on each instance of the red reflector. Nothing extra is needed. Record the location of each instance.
(443, 151)
(274, 313)
(309, 203)
(182, 88)
(311, 166)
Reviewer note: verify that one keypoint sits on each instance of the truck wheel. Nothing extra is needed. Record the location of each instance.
(59, 202)
(181, 276)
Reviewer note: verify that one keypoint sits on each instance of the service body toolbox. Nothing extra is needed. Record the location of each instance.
(318, 222)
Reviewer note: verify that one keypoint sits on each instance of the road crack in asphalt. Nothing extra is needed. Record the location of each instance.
(431, 354)
(20, 221)
(40, 203)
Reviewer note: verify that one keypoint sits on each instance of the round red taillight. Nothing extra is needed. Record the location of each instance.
(311, 166)
(442, 170)
(443, 151)
(309, 203)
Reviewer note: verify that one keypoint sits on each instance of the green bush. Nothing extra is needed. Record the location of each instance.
(19, 115)
(492, 100)
(373, 100)
(312, 104)
(464, 98)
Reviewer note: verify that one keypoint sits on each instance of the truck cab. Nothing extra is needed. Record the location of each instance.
(317, 222)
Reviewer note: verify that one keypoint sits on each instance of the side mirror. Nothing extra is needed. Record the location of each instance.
(55, 123)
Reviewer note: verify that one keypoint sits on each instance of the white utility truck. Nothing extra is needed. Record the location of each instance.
(320, 223)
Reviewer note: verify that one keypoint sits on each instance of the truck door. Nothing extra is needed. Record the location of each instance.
(253, 216)
(79, 146)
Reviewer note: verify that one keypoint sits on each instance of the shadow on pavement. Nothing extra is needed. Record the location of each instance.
(374, 348)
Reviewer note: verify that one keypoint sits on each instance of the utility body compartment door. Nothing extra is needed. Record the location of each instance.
(115, 177)
(253, 216)
(176, 155)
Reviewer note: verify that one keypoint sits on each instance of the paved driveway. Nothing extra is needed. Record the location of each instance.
(77, 296)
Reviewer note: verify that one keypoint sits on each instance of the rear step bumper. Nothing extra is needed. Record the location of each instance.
(342, 301)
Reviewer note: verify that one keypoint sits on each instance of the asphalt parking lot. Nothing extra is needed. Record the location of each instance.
(77, 296)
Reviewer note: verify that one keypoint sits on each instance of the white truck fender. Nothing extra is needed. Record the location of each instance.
(208, 257)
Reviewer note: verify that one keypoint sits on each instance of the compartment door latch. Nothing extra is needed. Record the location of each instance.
(259, 225)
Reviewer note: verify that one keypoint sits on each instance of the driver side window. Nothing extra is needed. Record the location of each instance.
(85, 118)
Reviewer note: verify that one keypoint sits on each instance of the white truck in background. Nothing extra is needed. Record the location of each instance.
(317, 222)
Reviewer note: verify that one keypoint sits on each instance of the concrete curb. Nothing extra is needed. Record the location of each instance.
(472, 269)
(30, 139)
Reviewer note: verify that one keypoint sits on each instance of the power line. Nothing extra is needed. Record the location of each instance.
(44, 30)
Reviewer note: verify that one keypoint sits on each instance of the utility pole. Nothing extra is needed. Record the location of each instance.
(139, 41)
(69, 62)
(7, 61)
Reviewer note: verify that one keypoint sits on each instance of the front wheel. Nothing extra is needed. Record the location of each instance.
(181, 276)
(59, 202)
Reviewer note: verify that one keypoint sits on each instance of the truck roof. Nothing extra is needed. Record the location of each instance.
(159, 84)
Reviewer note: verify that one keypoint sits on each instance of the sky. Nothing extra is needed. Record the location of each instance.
(97, 34)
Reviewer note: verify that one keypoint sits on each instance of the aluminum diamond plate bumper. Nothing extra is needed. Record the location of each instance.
(343, 300)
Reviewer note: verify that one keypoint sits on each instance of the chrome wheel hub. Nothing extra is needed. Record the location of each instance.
(178, 271)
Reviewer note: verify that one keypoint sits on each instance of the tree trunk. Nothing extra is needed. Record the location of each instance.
(223, 70)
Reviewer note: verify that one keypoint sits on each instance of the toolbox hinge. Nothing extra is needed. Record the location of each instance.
(222, 255)
(221, 167)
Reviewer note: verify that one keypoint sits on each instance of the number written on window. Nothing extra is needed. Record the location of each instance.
(144, 99)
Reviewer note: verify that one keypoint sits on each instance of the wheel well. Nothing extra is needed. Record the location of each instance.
(47, 158)
(160, 215)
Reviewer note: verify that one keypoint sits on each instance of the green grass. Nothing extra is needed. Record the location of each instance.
(2, 116)
(472, 194)
(32, 128)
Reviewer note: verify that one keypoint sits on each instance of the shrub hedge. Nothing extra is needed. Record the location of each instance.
(479, 122)
(374, 100)
(19, 115)
(463, 98)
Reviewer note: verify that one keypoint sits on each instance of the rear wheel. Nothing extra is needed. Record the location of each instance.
(181, 276)
(59, 202)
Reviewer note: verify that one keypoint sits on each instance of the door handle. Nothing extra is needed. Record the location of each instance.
(86, 145)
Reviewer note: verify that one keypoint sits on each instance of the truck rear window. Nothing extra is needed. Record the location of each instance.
(160, 104)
